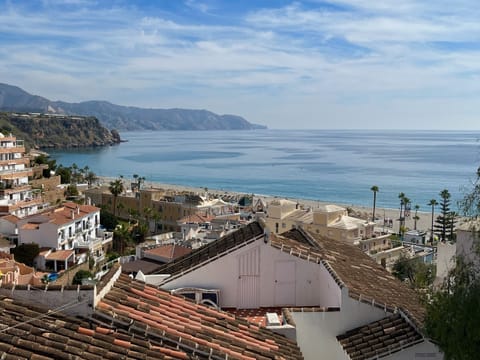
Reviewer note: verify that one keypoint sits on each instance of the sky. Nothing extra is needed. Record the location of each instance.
(339, 64)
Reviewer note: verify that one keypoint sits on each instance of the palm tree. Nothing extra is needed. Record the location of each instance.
(116, 188)
(374, 188)
(90, 177)
(401, 196)
(147, 213)
(432, 203)
(416, 217)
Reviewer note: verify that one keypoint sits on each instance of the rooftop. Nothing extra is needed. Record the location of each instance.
(379, 338)
(169, 252)
(241, 237)
(365, 279)
(189, 328)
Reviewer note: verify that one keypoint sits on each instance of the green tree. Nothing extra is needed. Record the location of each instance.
(71, 190)
(121, 238)
(374, 188)
(107, 219)
(470, 204)
(401, 196)
(453, 316)
(444, 220)
(419, 274)
(26, 253)
(80, 275)
(65, 174)
(116, 188)
(90, 178)
(416, 217)
(432, 203)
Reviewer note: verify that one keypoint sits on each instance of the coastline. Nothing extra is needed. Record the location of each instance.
(361, 211)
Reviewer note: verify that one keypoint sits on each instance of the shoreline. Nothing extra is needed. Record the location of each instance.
(361, 211)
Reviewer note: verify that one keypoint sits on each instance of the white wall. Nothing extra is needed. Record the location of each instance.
(445, 261)
(423, 350)
(317, 331)
(45, 236)
(313, 285)
(7, 227)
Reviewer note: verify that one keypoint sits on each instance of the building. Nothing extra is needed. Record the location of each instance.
(120, 318)
(70, 226)
(468, 243)
(16, 195)
(333, 221)
(15, 273)
(163, 209)
(327, 290)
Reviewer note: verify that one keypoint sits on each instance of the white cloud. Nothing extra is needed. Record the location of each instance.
(366, 60)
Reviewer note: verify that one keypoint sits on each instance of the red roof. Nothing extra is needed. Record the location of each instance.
(58, 255)
(11, 218)
(196, 219)
(65, 214)
(170, 251)
(188, 326)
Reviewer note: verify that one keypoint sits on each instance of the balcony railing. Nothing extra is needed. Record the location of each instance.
(90, 243)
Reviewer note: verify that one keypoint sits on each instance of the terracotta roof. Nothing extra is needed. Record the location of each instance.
(241, 237)
(195, 219)
(366, 280)
(197, 330)
(63, 214)
(379, 338)
(255, 316)
(11, 218)
(30, 226)
(169, 252)
(60, 255)
(146, 265)
(29, 332)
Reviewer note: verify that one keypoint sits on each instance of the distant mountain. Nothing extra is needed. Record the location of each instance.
(13, 98)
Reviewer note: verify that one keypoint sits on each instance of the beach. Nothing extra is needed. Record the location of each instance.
(360, 211)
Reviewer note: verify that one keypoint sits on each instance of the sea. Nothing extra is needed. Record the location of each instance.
(338, 166)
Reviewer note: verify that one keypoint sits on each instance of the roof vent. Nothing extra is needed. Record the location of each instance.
(272, 319)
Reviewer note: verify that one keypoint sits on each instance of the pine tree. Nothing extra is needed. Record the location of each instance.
(445, 223)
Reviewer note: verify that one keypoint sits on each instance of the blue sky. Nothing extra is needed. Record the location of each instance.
(357, 64)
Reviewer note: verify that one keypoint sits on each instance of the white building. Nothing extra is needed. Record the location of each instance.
(329, 290)
(16, 195)
(70, 226)
(468, 241)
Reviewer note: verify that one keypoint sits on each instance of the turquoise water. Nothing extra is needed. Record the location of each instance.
(329, 165)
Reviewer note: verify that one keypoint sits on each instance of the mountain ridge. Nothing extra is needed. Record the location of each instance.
(123, 118)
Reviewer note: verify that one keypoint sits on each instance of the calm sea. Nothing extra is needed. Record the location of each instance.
(329, 165)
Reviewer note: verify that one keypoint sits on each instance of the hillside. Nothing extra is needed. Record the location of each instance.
(123, 118)
(44, 131)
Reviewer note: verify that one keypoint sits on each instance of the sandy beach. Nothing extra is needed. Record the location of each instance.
(364, 212)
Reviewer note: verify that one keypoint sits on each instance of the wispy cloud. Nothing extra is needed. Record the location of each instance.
(307, 62)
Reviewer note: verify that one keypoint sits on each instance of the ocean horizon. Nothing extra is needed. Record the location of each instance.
(337, 166)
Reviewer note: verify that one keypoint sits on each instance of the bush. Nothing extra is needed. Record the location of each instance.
(26, 253)
(81, 274)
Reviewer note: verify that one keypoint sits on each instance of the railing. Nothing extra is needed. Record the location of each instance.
(89, 244)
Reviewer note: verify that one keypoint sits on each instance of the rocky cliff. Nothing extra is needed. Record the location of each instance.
(54, 131)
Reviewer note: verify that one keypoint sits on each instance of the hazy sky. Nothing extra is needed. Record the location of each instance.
(286, 64)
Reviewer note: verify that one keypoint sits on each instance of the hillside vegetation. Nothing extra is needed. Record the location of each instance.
(123, 118)
(43, 131)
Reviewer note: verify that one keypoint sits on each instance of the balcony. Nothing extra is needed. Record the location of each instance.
(90, 243)
(19, 148)
(12, 205)
(11, 174)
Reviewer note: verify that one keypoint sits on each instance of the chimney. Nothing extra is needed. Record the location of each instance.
(72, 214)
(78, 209)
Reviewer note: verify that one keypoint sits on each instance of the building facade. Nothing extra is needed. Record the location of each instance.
(70, 226)
(16, 195)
